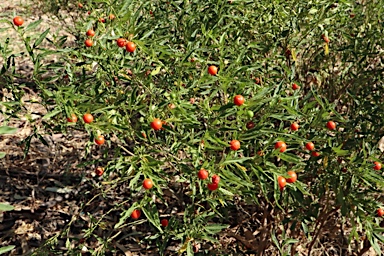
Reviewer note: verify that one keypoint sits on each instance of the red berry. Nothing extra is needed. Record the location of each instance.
(88, 43)
(135, 214)
(99, 140)
(295, 87)
(294, 127)
(88, 118)
(235, 144)
(325, 38)
(164, 222)
(212, 70)
(281, 145)
(282, 182)
(121, 42)
(380, 212)
(72, 119)
(130, 46)
(215, 179)
(292, 178)
(238, 100)
(250, 125)
(212, 186)
(156, 124)
(315, 154)
(18, 21)
(377, 166)
(90, 33)
(202, 174)
(331, 125)
(99, 171)
(310, 146)
(147, 184)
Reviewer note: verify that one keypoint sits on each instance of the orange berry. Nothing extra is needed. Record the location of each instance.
(235, 144)
(281, 145)
(212, 70)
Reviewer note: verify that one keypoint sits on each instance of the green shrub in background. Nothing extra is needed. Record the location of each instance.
(330, 51)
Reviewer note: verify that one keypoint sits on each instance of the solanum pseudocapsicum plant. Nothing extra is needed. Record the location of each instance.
(129, 93)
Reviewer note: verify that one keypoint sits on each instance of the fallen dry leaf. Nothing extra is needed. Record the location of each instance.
(381, 144)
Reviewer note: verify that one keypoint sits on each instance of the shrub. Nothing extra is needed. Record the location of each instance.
(330, 51)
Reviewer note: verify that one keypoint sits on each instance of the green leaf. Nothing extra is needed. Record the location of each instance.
(215, 228)
(27, 143)
(375, 245)
(125, 8)
(2, 154)
(5, 21)
(33, 25)
(6, 248)
(52, 114)
(41, 38)
(289, 241)
(6, 207)
(275, 241)
(226, 192)
(378, 236)
(152, 215)
(190, 250)
(236, 160)
(290, 158)
(302, 189)
(41, 138)
(306, 230)
(156, 71)
(7, 130)
(292, 111)
(339, 151)
(126, 214)
(133, 181)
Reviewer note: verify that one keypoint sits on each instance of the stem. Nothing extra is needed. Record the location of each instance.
(322, 219)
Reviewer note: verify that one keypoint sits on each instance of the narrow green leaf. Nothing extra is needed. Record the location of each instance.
(215, 228)
(236, 160)
(226, 192)
(339, 151)
(33, 25)
(41, 38)
(7, 130)
(152, 215)
(275, 241)
(133, 181)
(126, 214)
(6, 248)
(290, 158)
(52, 114)
(289, 241)
(6, 207)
